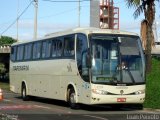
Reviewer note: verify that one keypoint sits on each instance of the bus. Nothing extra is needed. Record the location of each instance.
(83, 65)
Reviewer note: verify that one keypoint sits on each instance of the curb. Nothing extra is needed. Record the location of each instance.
(151, 109)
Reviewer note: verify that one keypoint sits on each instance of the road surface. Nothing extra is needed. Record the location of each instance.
(14, 108)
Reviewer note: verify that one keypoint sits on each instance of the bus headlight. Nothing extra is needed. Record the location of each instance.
(140, 92)
(101, 92)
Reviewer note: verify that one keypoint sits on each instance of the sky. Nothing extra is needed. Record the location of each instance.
(58, 16)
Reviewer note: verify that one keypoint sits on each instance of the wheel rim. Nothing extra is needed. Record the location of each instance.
(23, 93)
(72, 98)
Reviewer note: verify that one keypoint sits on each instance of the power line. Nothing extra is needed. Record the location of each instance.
(69, 1)
(53, 15)
(32, 2)
(17, 18)
(63, 12)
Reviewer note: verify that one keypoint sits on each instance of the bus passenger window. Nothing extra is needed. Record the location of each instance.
(53, 48)
(59, 48)
(69, 46)
(46, 49)
(20, 52)
(37, 50)
(13, 53)
(27, 51)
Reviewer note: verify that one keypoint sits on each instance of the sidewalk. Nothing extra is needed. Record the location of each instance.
(151, 109)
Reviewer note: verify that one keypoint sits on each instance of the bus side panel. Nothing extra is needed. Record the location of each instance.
(49, 79)
(15, 84)
(70, 76)
(44, 78)
(17, 75)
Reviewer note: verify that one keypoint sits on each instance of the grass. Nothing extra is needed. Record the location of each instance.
(4, 86)
(153, 86)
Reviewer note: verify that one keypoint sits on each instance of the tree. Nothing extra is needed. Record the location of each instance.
(148, 8)
(4, 40)
(2, 68)
(4, 62)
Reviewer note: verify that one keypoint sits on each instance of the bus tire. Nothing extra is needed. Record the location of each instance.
(72, 99)
(24, 93)
(139, 106)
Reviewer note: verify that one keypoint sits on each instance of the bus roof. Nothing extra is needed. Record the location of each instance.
(89, 30)
(86, 30)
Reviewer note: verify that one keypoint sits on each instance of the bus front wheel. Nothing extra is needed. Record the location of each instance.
(72, 99)
(24, 93)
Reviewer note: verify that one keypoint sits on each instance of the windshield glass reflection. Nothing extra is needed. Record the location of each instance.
(116, 60)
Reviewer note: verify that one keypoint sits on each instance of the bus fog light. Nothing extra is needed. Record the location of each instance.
(101, 92)
(140, 92)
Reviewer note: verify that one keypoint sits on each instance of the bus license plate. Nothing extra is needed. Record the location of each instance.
(121, 99)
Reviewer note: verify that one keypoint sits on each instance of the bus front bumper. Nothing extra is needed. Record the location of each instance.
(117, 99)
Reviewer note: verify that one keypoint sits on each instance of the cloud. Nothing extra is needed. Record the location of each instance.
(28, 24)
(26, 29)
(130, 25)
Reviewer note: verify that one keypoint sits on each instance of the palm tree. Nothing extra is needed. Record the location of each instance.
(148, 8)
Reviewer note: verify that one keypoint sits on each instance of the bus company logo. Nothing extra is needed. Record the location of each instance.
(69, 68)
(121, 92)
(21, 68)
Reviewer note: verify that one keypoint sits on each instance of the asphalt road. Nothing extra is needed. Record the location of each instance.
(14, 108)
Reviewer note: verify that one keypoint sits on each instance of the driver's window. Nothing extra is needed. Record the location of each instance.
(81, 50)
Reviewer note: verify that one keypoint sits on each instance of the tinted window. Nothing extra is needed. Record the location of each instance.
(20, 51)
(13, 53)
(44, 46)
(54, 42)
(69, 45)
(81, 53)
(59, 48)
(36, 50)
(81, 43)
(46, 49)
(27, 51)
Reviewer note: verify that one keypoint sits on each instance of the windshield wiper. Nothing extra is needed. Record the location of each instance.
(131, 76)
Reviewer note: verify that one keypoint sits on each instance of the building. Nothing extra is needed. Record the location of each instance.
(4, 59)
(104, 15)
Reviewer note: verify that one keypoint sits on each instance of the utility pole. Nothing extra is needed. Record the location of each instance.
(17, 18)
(35, 18)
(79, 12)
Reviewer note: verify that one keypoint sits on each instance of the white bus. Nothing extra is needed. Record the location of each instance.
(82, 65)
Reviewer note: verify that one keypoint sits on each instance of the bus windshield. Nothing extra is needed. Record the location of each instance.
(117, 59)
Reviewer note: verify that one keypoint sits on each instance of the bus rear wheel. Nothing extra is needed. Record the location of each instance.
(139, 106)
(24, 93)
(72, 99)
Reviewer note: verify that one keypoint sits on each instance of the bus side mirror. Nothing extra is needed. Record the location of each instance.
(88, 59)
